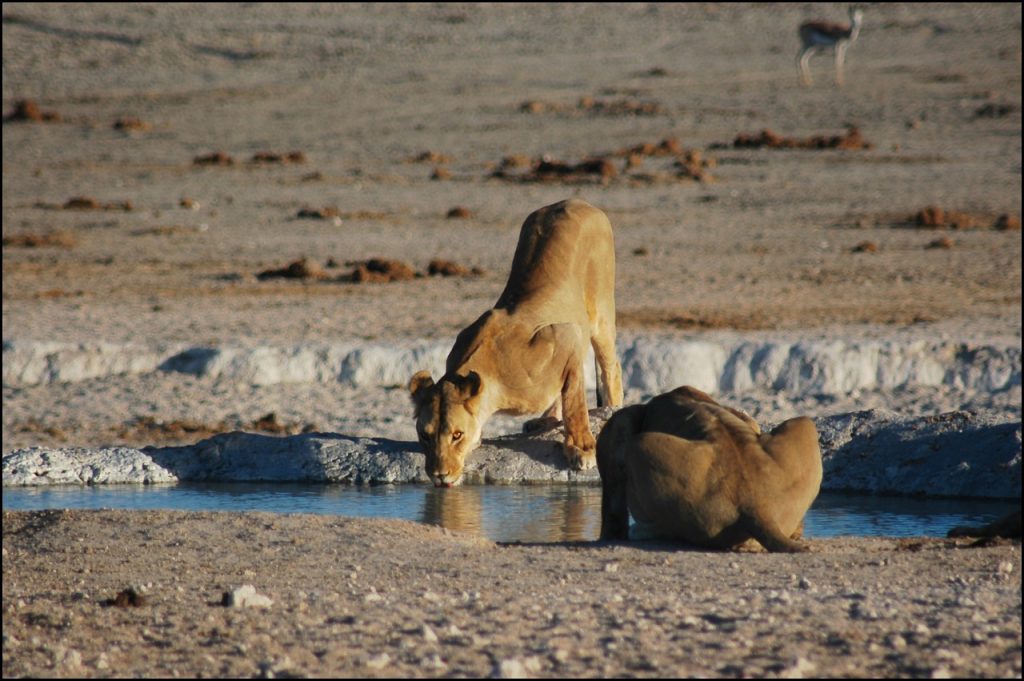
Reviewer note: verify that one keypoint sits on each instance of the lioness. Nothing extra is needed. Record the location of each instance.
(526, 355)
(695, 470)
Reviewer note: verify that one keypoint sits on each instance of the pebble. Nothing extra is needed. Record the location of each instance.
(515, 668)
(433, 662)
(428, 634)
(1005, 567)
(245, 596)
(614, 567)
(897, 642)
(378, 661)
(799, 668)
(510, 669)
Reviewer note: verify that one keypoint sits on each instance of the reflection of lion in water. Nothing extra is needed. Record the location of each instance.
(694, 470)
(526, 355)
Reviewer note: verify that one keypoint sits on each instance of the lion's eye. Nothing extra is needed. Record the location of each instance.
(457, 435)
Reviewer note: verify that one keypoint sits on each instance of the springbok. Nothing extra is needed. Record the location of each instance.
(815, 35)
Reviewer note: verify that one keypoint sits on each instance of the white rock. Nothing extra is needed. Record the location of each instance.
(245, 596)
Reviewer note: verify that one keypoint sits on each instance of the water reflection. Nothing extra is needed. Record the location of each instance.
(528, 514)
(541, 513)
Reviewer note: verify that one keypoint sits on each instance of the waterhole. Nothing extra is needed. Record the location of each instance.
(526, 513)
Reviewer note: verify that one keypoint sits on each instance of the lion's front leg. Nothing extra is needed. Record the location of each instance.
(580, 445)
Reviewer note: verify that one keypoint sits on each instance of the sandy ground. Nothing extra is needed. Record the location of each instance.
(767, 243)
(355, 598)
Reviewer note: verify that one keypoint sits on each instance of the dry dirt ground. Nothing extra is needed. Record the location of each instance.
(380, 99)
(358, 598)
(403, 113)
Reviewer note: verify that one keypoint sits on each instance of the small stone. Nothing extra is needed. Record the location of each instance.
(72, 658)
(1005, 567)
(800, 668)
(245, 596)
(514, 668)
(428, 634)
(433, 661)
(897, 642)
(611, 567)
(378, 661)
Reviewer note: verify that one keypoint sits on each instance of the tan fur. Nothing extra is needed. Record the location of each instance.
(526, 355)
(695, 470)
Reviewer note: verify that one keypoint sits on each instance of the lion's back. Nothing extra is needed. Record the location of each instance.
(565, 256)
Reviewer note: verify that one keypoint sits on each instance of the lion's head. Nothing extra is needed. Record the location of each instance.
(447, 422)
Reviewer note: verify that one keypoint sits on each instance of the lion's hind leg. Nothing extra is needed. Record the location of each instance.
(609, 371)
(765, 530)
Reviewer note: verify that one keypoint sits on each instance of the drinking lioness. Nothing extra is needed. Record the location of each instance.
(526, 355)
(691, 469)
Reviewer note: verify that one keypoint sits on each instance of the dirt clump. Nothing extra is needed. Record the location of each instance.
(669, 146)
(166, 230)
(865, 247)
(28, 111)
(269, 423)
(547, 169)
(1008, 223)
(435, 157)
(943, 242)
(131, 123)
(56, 239)
(441, 173)
(127, 598)
(994, 110)
(325, 213)
(459, 213)
(693, 166)
(626, 106)
(216, 158)
(89, 203)
(447, 268)
(769, 139)
(935, 217)
(381, 270)
(298, 269)
(275, 157)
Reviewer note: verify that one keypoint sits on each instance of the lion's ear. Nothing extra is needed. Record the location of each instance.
(418, 384)
(473, 384)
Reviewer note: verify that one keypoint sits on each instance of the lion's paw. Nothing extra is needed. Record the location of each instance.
(580, 459)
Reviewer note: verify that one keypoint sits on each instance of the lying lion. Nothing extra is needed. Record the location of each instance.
(525, 356)
(689, 468)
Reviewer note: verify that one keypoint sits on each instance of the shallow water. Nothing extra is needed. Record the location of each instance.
(540, 513)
